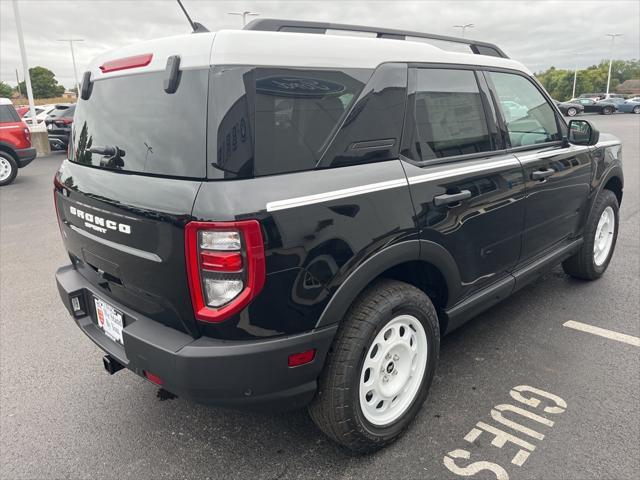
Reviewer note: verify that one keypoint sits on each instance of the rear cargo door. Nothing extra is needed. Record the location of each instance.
(136, 162)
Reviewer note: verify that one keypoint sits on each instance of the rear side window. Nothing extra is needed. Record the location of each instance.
(59, 111)
(529, 117)
(152, 131)
(448, 115)
(67, 112)
(8, 114)
(266, 121)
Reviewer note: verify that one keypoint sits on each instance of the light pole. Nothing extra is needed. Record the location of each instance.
(25, 63)
(575, 75)
(464, 27)
(73, 59)
(613, 37)
(244, 15)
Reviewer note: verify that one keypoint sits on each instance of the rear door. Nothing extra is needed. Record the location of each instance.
(137, 158)
(467, 190)
(557, 174)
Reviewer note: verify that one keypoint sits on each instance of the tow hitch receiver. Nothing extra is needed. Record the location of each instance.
(111, 365)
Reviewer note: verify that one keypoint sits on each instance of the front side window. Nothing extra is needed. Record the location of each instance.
(448, 114)
(529, 118)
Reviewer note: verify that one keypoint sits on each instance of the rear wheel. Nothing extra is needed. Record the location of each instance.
(8, 169)
(607, 111)
(636, 109)
(572, 112)
(601, 232)
(380, 368)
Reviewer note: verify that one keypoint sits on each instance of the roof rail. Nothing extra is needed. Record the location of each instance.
(300, 26)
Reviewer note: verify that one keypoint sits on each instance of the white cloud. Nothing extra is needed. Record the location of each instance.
(538, 33)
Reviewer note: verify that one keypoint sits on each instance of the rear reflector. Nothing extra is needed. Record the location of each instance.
(297, 359)
(127, 62)
(153, 378)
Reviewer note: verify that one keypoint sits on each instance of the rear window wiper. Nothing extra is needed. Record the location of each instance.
(112, 155)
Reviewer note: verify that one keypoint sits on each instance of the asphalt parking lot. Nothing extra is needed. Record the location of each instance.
(62, 416)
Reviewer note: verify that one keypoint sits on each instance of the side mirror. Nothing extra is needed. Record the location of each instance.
(582, 132)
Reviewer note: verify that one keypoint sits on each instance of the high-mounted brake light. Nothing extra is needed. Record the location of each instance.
(127, 62)
(225, 267)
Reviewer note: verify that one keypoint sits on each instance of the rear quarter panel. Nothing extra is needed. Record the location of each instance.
(317, 230)
(12, 135)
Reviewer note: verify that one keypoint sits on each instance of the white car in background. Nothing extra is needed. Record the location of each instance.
(42, 112)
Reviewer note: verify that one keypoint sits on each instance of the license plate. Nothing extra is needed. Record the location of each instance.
(109, 320)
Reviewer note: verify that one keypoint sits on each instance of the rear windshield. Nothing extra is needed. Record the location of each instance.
(266, 121)
(141, 127)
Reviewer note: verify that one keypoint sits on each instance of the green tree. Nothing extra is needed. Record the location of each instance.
(83, 155)
(5, 90)
(43, 83)
(559, 83)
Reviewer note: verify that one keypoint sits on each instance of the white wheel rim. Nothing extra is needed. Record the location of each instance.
(392, 370)
(604, 236)
(572, 112)
(5, 169)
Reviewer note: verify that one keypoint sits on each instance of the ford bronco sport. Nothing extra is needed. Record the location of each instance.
(325, 209)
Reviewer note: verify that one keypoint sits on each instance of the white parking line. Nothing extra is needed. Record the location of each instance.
(620, 337)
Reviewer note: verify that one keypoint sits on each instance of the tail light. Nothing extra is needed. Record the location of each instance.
(27, 135)
(225, 267)
(64, 121)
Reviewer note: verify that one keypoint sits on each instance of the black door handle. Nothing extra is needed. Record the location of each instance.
(448, 199)
(542, 174)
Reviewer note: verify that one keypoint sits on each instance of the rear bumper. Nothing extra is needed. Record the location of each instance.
(58, 141)
(245, 374)
(25, 156)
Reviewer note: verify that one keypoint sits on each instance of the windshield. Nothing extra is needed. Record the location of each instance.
(131, 124)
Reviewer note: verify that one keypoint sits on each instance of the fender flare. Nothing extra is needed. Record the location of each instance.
(402, 252)
(614, 171)
(10, 149)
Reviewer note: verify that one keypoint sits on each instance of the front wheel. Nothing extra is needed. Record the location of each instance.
(600, 235)
(572, 112)
(380, 368)
(636, 109)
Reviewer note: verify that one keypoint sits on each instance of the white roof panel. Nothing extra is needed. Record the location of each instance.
(253, 47)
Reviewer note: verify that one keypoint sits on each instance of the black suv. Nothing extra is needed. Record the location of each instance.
(59, 124)
(278, 219)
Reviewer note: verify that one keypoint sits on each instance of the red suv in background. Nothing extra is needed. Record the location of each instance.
(15, 143)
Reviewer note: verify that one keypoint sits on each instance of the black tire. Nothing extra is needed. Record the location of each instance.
(607, 110)
(7, 161)
(636, 109)
(336, 408)
(582, 264)
(572, 112)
